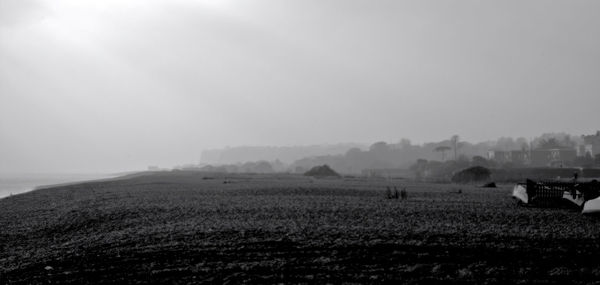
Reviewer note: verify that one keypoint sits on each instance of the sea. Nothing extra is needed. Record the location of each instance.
(13, 184)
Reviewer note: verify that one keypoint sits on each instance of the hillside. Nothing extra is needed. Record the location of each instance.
(285, 154)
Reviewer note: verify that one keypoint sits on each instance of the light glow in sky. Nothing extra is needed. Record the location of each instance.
(119, 85)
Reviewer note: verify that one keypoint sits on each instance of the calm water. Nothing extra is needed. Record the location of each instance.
(20, 183)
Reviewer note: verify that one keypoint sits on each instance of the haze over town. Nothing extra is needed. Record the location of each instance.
(108, 86)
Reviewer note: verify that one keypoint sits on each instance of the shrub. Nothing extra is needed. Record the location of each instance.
(322, 171)
(472, 174)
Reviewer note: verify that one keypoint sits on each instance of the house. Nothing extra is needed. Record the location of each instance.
(591, 145)
(585, 150)
(499, 156)
(513, 156)
(557, 157)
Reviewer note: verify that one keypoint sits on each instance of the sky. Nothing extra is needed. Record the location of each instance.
(116, 85)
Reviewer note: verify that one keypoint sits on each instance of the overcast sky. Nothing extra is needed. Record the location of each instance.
(114, 85)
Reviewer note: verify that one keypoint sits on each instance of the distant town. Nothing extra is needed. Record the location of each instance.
(552, 153)
(435, 160)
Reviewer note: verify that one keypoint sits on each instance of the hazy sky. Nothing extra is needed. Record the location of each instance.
(113, 85)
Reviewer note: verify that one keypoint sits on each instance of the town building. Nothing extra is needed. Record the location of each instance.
(591, 145)
(558, 157)
(520, 157)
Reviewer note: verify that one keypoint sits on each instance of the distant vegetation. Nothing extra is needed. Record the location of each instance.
(472, 174)
(444, 157)
(248, 167)
(322, 171)
(285, 154)
(437, 161)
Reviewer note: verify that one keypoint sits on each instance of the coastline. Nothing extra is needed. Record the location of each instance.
(19, 183)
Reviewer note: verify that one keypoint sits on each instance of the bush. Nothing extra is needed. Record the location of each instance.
(322, 171)
(472, 174)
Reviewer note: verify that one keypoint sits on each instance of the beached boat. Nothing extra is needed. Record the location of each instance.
(584, 195)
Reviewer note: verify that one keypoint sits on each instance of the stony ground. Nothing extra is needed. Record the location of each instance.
(188, 228)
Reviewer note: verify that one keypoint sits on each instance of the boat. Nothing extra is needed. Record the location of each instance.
(582, 195)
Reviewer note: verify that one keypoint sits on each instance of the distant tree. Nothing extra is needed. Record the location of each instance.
(567, 141)
(455, 144)
(263, 167)
(379, 147)
(443, 149)
(472, 174)
(419, 164)
(479, 161)
(522, 142)
(419, 168)
(462, 161)
(549, 143)
(524, 147)
(278, 166)
(405, 143)
(556, 140)
(322, 171)
(299, 169)
(438, 170)
(380, 154)
(353, 152)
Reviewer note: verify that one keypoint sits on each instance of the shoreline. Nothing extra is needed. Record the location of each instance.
(20, 183)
